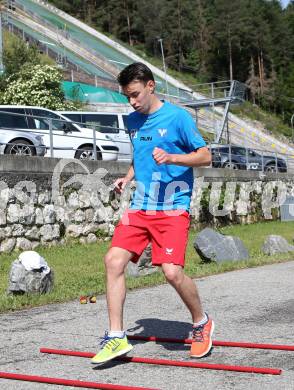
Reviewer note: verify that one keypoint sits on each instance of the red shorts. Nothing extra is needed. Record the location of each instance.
(167, 232)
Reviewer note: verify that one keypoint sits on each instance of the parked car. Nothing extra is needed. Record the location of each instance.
(111, 123)
(239, 157)
(69, 139)
(23, 143)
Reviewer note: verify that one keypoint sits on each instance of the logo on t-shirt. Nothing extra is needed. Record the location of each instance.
(162, 132)
(133, 133)
(148, 138)
(169, 251)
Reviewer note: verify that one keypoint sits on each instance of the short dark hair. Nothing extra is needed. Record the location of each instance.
(136, 71)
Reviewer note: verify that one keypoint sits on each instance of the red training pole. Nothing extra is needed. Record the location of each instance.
(68, 382)
(214, 343)
(165, 362)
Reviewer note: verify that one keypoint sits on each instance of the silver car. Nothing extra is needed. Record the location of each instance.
(22, 143)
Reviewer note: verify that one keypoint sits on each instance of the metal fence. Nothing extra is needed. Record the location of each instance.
(239, 157)
(220, 89)
(56, 131)
(223, 156)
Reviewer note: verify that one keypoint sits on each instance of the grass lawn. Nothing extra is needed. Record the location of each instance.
(79, 268)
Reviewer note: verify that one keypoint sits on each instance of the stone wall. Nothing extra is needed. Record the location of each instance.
(49, 201)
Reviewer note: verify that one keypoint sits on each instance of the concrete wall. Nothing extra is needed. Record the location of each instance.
(46, 166)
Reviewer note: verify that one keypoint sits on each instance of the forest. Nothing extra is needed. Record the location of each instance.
(247, 40)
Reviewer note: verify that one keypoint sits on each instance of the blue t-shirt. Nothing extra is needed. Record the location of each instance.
(166, 186)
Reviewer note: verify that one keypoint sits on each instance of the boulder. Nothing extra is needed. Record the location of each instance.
(276, 244)
(49, 232)
(79, 216)
(49, 214)
(13, 213)
(74, 230)
(213, 246)
(143, 266)
(3, 220)
(23, 281)
(91, 238)
(39, 216)
(44, 198)
(7, 245)
(33, 233)
(23, 244)
(90, 228)
(18, 230)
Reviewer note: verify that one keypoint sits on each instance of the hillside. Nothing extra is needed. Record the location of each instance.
(84, 49)
(247, 40)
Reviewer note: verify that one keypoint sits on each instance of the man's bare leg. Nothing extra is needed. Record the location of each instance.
(186, 289)
(116, 261)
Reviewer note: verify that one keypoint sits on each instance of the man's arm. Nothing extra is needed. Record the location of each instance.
(120, 183)
(130, 175)
(198, 158)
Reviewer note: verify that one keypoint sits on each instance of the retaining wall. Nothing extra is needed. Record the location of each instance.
(48, 200)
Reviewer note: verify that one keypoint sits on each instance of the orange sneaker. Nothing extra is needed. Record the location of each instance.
(202, 339)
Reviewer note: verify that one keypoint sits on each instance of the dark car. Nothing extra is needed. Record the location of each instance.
(238, 157)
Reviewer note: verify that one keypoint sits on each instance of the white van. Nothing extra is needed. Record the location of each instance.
(111, 123)
(69, 139)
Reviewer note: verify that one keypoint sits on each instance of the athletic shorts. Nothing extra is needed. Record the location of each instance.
(166, 231)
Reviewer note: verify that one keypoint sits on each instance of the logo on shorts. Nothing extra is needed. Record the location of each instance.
(169, 251)
(162, 132)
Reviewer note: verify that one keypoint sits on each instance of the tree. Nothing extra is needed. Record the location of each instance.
(37, 85)
(200, 49)
(226, 23)
(17, 54)
(253, 82)
(117, 17)
(286, 96)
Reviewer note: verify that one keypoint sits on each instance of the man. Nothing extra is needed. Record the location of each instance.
(166, 145)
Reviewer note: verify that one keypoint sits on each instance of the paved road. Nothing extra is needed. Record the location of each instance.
(254, 305)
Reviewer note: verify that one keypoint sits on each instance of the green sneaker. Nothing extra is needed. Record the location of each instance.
(111, 347)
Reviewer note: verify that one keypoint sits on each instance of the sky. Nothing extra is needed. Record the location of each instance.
(284, 3)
